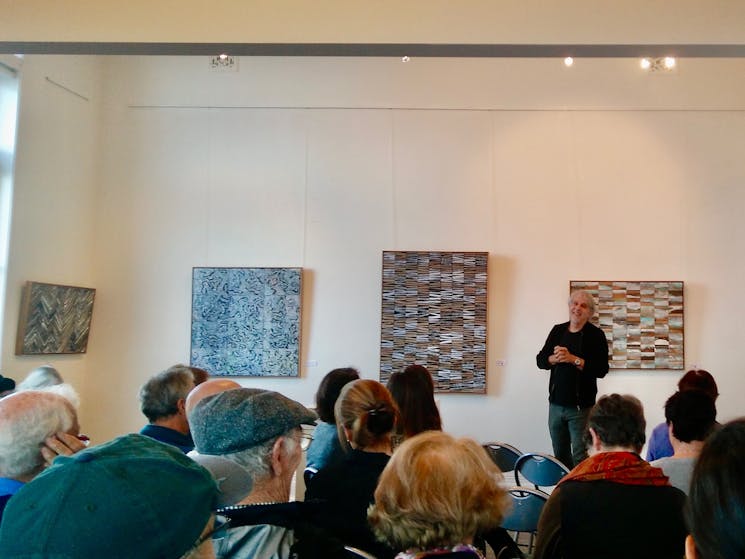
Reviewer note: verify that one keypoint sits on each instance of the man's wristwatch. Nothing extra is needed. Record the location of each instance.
(577, 362)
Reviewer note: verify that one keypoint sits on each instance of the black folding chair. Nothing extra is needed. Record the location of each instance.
(541, 470)
(503, 455)
(527, 505)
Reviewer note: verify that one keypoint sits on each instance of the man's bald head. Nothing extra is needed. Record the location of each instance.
(208, 388)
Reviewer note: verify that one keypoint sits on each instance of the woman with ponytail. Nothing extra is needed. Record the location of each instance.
(366, 416)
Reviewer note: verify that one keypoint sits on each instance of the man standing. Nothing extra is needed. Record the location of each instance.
(576, 353)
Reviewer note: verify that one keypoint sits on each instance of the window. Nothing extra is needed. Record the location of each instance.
(8, 116)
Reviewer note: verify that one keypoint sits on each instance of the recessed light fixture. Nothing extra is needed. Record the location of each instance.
(568, 61)
(662, 65)
(405, 59)
(224, 63)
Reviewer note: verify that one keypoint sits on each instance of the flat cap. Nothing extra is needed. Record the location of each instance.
(242, 418)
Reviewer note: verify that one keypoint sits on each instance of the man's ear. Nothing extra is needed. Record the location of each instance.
(596, 444)
(690, 547)
(181, 405)
(278, 456)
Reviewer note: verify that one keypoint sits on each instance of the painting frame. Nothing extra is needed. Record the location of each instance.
(643, 321)
(54, 319)
(246, 321)
(434, 313)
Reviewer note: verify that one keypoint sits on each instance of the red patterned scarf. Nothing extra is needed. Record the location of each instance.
(619, 467)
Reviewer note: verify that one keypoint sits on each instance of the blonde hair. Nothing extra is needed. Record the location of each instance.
(367, 409)
(437, 491)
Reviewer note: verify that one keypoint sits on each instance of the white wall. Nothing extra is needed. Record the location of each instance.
(324, 163)
(54, 194)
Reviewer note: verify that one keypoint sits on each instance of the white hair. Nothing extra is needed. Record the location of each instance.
(258, 459)
(66, 391)
(41, 377)
(27, 418)
(588, 298)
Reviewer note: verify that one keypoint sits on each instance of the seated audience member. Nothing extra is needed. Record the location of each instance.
(365, 416)
(7, 386)
(163, 402)
(130, 497)
(41, 377)
(35, 428)
(325, 447)
(613, 504)
(435, 495)
(414, 393)
(260, 431)
(716, 502)
(659, 441)
(690, 416)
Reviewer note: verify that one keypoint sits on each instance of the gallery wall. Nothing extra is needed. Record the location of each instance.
(603, 173)
(52, 228)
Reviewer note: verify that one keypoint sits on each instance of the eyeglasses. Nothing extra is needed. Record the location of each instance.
(305, 439)
(218, 532)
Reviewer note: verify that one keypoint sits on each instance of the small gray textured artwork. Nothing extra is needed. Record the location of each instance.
(246, 321)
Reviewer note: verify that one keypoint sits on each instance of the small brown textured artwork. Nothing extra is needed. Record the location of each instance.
(434, 314)
(642, 320)
(54, 319)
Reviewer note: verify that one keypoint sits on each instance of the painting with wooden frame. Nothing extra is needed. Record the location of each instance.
(642, 320)
(54, 319)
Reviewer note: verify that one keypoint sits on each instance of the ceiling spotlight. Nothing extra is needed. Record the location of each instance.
(568, 61)
(405, 59)
(223, 56)
(669, 62)
(645, 63)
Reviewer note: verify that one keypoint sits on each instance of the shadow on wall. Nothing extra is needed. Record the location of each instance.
(500, 288)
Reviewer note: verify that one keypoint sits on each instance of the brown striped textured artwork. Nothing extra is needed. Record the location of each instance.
(642, 320)
(54, 319)
(434, 314)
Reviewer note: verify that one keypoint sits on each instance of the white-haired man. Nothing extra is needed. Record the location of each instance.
(261, 431)
(576, 353)
(35, 428)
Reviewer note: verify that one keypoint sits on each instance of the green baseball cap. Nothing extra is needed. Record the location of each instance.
(130, 497)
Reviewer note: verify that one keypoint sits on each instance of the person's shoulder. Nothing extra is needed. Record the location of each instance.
(590, 327)
(558, 328)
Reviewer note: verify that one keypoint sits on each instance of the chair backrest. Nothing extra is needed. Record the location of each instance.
(308, 474)
(541, 470)
(503, 455)
(355, 553)
(527, 505)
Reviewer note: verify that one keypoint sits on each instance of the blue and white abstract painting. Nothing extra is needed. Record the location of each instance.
(246, 321)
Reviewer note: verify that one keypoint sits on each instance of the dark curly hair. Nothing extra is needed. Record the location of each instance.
(618, 420)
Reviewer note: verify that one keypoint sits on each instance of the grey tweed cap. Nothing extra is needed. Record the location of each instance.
(241, 418)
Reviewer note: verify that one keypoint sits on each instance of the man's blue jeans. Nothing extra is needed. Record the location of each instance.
(567, 425)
